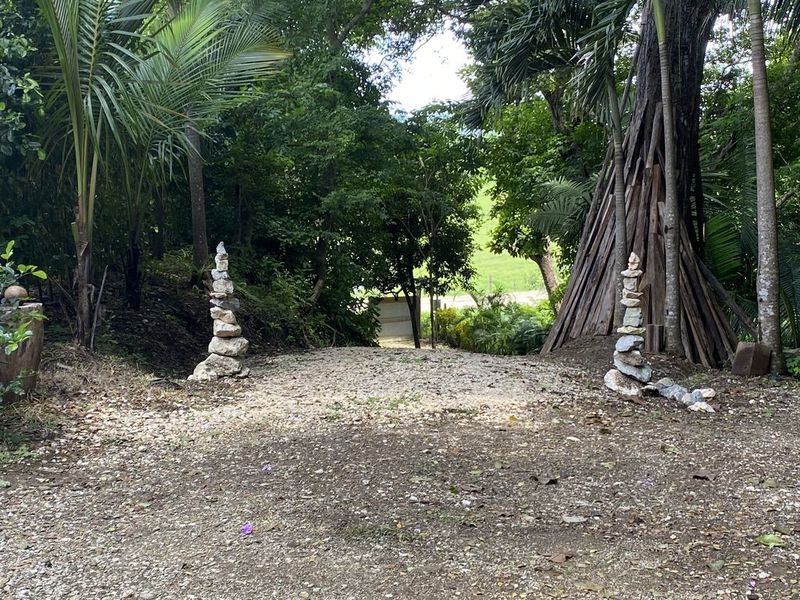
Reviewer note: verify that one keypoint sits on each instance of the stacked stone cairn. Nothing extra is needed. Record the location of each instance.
(631, 370)
(227, 345)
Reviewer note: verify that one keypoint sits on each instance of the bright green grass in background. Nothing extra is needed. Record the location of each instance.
(500, 271)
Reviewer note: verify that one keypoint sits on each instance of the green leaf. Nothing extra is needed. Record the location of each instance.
(39, 274)
(771, 540)
(9, 251)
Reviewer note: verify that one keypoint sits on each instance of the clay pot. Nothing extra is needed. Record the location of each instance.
(15, 292)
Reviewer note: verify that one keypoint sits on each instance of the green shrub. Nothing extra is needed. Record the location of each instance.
(793, 365)
(495, 326)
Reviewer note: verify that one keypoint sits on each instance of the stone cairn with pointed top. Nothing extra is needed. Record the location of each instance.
(631, 370)
(632, 375)
(227, 345)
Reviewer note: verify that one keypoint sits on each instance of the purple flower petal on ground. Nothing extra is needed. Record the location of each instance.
(247, 528)
(266, 468)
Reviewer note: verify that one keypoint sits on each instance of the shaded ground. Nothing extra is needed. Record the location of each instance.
(393, 473)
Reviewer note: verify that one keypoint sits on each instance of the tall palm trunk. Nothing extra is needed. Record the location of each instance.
(767, 281)
(621, 228)
(198, 198)
(672, 301)
(83, 283)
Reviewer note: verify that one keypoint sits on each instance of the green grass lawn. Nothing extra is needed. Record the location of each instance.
(500, 271)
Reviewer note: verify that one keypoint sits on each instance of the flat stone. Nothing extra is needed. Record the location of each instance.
(632, 294)
(226, 316)
(751, 360)
(633, 317)
(226, 330)
(226, 302)
(222, 263)
(674, 392)
(702, 407)
(214, 367)
(217, 274)
(633, 358)
(222, 286)
(617, 382)
(630, 283)
(707, 393)
(228, 346)
(690, 398)
(629, 342)
(631, 302)
(627, 330)
(643, 373)
(634, 273)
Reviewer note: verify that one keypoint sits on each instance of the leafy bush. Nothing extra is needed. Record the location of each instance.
(496, 326)
(793, 365)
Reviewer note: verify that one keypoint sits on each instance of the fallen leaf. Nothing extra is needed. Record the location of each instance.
(783, 528)
(573, 519)
(588, 586)
(771, 540)
(561, 557)
(703, 475)
(717, 565)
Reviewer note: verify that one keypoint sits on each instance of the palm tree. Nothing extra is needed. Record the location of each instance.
(672, 249)
(93, 41)
(208, 59)
(768, 281)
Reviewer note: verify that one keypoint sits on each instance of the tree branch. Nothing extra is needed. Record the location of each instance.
(357, 19)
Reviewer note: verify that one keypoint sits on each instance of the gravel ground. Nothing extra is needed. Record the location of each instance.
(395, 473)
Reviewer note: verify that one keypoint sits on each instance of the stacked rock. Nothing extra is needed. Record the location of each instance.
(227, 345)
(631, 368)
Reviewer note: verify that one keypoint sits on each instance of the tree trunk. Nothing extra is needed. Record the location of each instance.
(672, 244)
(83, 283)
(768, 283)
(411, 299)
(133, 278)
(587, 308)
(547, 267)
(620, 230)
(198, 199)
(433, 319)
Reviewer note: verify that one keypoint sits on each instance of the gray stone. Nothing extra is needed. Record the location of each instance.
(228, 346)
(217, 274)
(633, 358)
(643, 373)
(631, 302)
(221, 250)
(220, 314)
(630, 283)
(214, 367)
(707, 393)
(633, 317)
(223, 286)
(632, 294)
(628, 330)
(635, 273)
(634, 261)
(617, 382)
(226, 303)
(222, 263)
(675, 392)
(629, 342)
(226, 330)
(702, 407)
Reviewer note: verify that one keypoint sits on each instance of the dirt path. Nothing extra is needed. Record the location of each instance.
(390, 473)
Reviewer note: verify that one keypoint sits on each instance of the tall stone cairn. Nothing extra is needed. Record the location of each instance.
(631, 370)
(227, 345)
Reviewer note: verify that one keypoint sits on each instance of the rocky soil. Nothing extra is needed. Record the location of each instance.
(393, 473)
